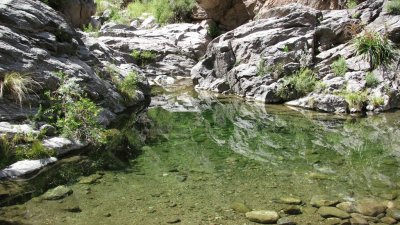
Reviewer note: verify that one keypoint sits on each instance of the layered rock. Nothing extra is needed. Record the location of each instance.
(77, 12)
(253, 59)
(36, 40)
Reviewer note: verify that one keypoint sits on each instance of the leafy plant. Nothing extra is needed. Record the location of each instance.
(35, 151)
(351, 4)
(339, 66)
(17, 85)
(371, 80)
(377, 101)
(299, 84)
(393, 7)
(143, 57)
(128, 85)
(91, 29)
(375, 48)
(355, 100)
(6, 151)
(213, 30)
(286, 49)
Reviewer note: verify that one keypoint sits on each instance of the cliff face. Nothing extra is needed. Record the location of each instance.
(233, 13)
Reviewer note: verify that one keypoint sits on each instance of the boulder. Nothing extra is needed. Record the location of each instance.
(63, 145)
(57, 193)
(25, 167)
(327, 212)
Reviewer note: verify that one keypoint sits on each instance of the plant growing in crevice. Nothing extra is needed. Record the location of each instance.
(143, 57)
(375, 48)
(17, 85)
(355, 100)
(371, 80)
(213, 30)
(261, 68)
(339, 66)
(128, 85)
(393, 7)
(376, 101)
(299, 84)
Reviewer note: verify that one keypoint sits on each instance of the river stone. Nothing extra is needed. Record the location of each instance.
(327, 212)
(173, 220)
(388, 220)
(94, 178)
(358, 220)
(395, 213)
(292, 210)
(240, 207)
(370, 207)
(333, 221)
(290, 200)
(263, 216)
(348, 207)
(57, 193)
(320, 200)
(286, 221)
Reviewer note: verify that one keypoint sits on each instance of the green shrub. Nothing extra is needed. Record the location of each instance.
(355, 100)
(128, 85)
(393, 7)
(299, 84)
(213, 30)
(339, 66)
(6, 152)
(17, 85)
(351, 4)
(371, 80)
(35, 151)
(376, 101)
(261, 68)
(143, 57)
(80, 121)
(375, 48)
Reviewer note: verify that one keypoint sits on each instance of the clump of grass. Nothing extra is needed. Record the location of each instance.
(92, 30)
(356, 100)
(143, 57)
(213, 30)
(261, 68)
(393, 7)
(376, 101)
(339, 66)
(351, 4)
(128, 85)
(371, 80)
(35, 151)
(375, 48)
(299, 84)
(17, 85)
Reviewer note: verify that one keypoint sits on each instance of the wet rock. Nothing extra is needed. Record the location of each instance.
(370, 207)
(388, 220)
(367, 218)
(240, 207)
(292, 210)
(262, 216)
(48, 130)
(333, 221)
(321, 200)
(57, 193)
(348, 207)
(358, 220)
(94, 178)
(394, 213)
(286, 221)
(25, 167)
(73, 209)
(108, 214)
(290, 200)
(327, 212)
(182, 177)
(173, 220)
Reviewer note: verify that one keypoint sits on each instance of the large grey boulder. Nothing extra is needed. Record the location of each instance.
(36, 40)
(25, 167)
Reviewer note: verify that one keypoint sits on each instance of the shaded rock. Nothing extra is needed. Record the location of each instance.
(240, 207)
(394, 213)
(48, 130)
(370, 207)
(320, 200)
(358, 220)
(286, 221)
(57, 193)
(290, 200)
(263, 216)
(292, 210)
(25, 167)
(388, 220)
(94, 178)
(348, 207)
(327, 212)
(173, 220)
(333, 221)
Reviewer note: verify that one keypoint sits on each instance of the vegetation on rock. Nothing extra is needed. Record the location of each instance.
(393, 7)
(371, 80)
(17, 85)
(339, 66)
(299, 84)
(143, 57)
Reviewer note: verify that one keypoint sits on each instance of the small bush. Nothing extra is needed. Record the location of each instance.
(393, 7)
(35, 151)
(6, 152)
(213, 30)
(128, 85)
(371, 80)
(17, 85)
(355, 100)
(298, 84)
(375, 48)
(351, 4)
(143, 57)
(376, 101)
(339, 67)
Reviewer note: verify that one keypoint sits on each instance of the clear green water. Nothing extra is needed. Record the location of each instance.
(228, 151)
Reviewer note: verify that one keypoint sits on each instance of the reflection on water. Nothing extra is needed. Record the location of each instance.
(213, 152)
